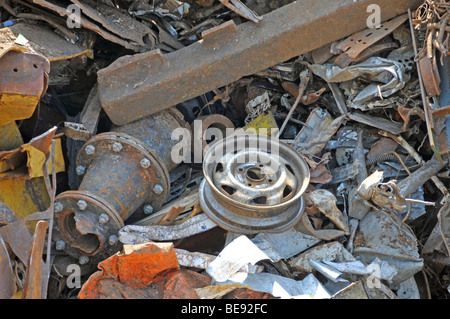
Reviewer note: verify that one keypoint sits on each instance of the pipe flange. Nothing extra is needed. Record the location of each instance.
(84, 223)
(253, 184)
(133, 151)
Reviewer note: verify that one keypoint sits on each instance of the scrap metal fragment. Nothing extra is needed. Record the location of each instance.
(329, 272)
(425, 102)
(18, 238)
(7, 284)
(122, 25)
(76, 131)
(357, 207)
(62, 11)
(344, 173)
(148, 270)
(313, 138)
(400, 140)
(385, 195)
(186, 201)
(353, 291)
(443, 139)
(32, 287)
(304, 79)
(333, 251)
(306, 227)
(444, 225)
(386, 77)
(382, 146)
(90, 114)
(356, 43)
(377, 122)
(430, 75)
(241, 9)
(411, 183)
(276, 38)
(23, 81)
(237, 254)
(379, 236)
(279, 286)
(326, 203)
(70, 35)
(284, 245)
(343, 60)
(134, 234)
(44, 41)
(193, 259)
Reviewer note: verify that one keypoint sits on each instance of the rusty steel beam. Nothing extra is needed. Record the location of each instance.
(139, 85)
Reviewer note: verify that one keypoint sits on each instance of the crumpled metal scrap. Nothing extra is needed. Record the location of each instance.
(385, 77)
(386, 195)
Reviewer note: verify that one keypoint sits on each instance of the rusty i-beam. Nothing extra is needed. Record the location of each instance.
(139, 85)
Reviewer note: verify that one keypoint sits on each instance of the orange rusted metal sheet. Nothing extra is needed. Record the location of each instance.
(149, 270)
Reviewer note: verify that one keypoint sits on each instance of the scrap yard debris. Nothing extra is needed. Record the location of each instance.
(224, 149)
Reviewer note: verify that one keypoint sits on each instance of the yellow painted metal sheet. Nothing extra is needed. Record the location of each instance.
(36, 160)
(10, 137)
(264, 124)
(24, 196)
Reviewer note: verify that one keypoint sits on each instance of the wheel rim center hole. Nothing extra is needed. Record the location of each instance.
(255, 174)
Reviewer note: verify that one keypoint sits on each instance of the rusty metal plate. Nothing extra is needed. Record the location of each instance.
(7, 282)
(19, 239)
(430, 75)
(32, 287)
(136, 86)
(7, 216)
(88, 24)
(344, 60)
(122, 25)
(43, 41)
(23, 80)
(358, 42)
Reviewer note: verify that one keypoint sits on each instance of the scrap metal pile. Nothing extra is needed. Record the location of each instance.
(224, 149)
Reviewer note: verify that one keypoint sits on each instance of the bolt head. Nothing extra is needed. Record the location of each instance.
(158, 189)
(58, 207)
(82, 205)
(148, 209)
(113, 239)
(83, 260)
(60, 245)
(103, 218)
(80, 170)
(117, 147)
(145, 163)
(90, 149)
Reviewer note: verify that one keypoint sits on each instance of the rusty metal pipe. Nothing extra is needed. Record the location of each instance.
(125, 171)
